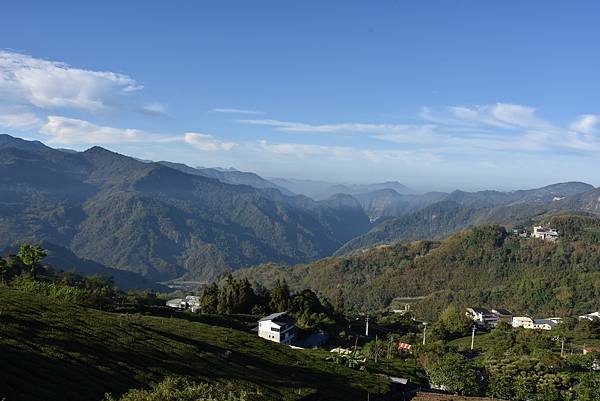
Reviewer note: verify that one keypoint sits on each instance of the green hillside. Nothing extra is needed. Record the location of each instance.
(480, 266)
(460, 210)
(157, 221)
(60, 351)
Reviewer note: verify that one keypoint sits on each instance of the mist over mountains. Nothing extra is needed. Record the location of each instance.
(163, 220)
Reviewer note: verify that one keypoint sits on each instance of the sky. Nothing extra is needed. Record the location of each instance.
(438, 95)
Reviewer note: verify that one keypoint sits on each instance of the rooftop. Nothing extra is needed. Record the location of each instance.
(279, 317)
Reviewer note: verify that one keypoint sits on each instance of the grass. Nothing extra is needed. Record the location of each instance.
(51, 350)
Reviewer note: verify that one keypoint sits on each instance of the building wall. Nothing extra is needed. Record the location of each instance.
(265, 330)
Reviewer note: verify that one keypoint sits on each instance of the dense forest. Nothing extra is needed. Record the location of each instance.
(481, 266)
(158, 221)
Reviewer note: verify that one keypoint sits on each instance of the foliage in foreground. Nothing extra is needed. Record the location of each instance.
(182, 389)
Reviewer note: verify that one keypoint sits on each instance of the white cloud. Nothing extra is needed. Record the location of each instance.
(207, 142)
(489, 116)
(295, 149)
(19, 120)
(586, 124)
(154, 108)
(349, 154)
(50, 84)
(236, 111)
(287, 126)
(63, 130)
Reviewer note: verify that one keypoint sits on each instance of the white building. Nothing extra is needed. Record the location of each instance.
(482, 316)
(278, 327)
(591, 316)
(191, 302)
(504, 315)
(545, 233)
(536, 324)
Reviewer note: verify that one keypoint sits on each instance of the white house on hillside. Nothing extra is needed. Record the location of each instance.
(535, 324)
(545, 233)
(591, 316)
(191, 302)
(482, 316)
(278, 327)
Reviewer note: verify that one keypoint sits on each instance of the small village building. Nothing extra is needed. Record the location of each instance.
(482, 316)
(277, 327)
(191, 302)
(177, 303)
(536, 324)
(544, 324)
(522, 321)
(591, 316)
(587, 350)
(504, 315)
(545, 233)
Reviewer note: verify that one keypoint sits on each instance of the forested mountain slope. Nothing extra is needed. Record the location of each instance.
(158, 221)
(482, 266)
(461, 209)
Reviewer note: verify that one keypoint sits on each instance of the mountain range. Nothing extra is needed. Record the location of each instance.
(459, 210)
(162, 220)
(158, 221)
(322, 190)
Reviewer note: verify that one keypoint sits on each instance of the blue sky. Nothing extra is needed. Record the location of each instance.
(435, 94)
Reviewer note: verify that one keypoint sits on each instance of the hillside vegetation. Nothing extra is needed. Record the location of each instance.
(157, 221)
(88, 352)
(482, 266)
(460, 210)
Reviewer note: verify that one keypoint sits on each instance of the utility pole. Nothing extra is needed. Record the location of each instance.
(376, 349)
(473, 338)
(424, 330)
(562, 348)
(367, 327)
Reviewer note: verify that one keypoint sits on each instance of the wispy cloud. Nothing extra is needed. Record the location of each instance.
(287, 126)
(51, 84)
(19, 119)
(465, 129)
(154, 108)
(349, 153)
(236, 111)
(586, 124)
(71, 131)
(64, 130)
(207, 142)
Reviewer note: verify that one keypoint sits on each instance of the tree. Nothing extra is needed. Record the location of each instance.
(209, 301)
(454, 323)
(246, 297)
(280, 296)
(31, 256)
(339, 302)
(588, 388)
(6, 273)
(457, 374)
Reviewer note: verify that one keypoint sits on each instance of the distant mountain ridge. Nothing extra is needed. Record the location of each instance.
(461, 209)
(322, 190)
(157, 221)
(229, 176)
